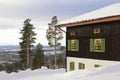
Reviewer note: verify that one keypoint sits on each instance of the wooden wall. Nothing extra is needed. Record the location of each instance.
(110, 31)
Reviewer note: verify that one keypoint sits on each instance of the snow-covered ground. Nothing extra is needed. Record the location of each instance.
(103, 73)
(40, 74)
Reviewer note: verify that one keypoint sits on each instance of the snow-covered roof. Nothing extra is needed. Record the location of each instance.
(111, 10)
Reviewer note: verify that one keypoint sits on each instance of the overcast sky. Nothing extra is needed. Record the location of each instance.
(14, 12)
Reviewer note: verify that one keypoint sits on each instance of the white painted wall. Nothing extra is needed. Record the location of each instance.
(89, 63)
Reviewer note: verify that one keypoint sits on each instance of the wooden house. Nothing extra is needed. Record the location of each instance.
(93, 39)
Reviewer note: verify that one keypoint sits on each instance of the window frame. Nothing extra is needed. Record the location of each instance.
(73, 45)
(100, 45)
(97, 65)
(96, 30)
(81, 65)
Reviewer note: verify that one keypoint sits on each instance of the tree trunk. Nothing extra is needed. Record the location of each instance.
(28, 57)
(55, 54)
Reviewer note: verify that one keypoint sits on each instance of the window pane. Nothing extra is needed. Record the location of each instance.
(97, 65)
(96, 30)
(97, 45)
(74, 45)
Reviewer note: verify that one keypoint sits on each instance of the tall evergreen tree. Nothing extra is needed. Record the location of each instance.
(38, 57)
(1, 67)
(60, 61)
(26, 44)
(53, 35)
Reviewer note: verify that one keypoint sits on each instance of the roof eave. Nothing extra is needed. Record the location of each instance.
(93, 21)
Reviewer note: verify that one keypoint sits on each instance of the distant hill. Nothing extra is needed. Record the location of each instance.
(17, 48)
(9, 48)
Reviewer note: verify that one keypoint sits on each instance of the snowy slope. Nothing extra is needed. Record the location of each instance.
(111, 10)
(40, 74)
(105, 73)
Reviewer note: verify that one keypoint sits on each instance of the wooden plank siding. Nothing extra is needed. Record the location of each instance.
(110, 31)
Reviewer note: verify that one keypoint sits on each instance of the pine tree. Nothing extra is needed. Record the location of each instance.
(9, 68)
(38, 57)
(1, 67)
(27, 40)
(60, 61)
(53, 35)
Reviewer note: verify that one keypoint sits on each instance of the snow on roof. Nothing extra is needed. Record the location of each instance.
(111, 10)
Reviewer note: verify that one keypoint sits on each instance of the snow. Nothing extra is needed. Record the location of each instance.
(104, 73)
(111, 10)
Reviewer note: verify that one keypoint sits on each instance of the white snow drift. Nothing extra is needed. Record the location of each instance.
(103, 73)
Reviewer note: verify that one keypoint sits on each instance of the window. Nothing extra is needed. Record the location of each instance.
(72, 33)
(72, 66)
(97, 45)
(81, 66)
(73, 45)
(97, 65)
(96, 31)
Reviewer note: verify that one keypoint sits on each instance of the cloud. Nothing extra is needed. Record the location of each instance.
(14, 12)
(9, 36)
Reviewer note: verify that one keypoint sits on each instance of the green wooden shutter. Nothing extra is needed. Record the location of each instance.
(69, 45)
(77, 45)
(91, 45)
(72, 67)
(80, 65)
(103, 45)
